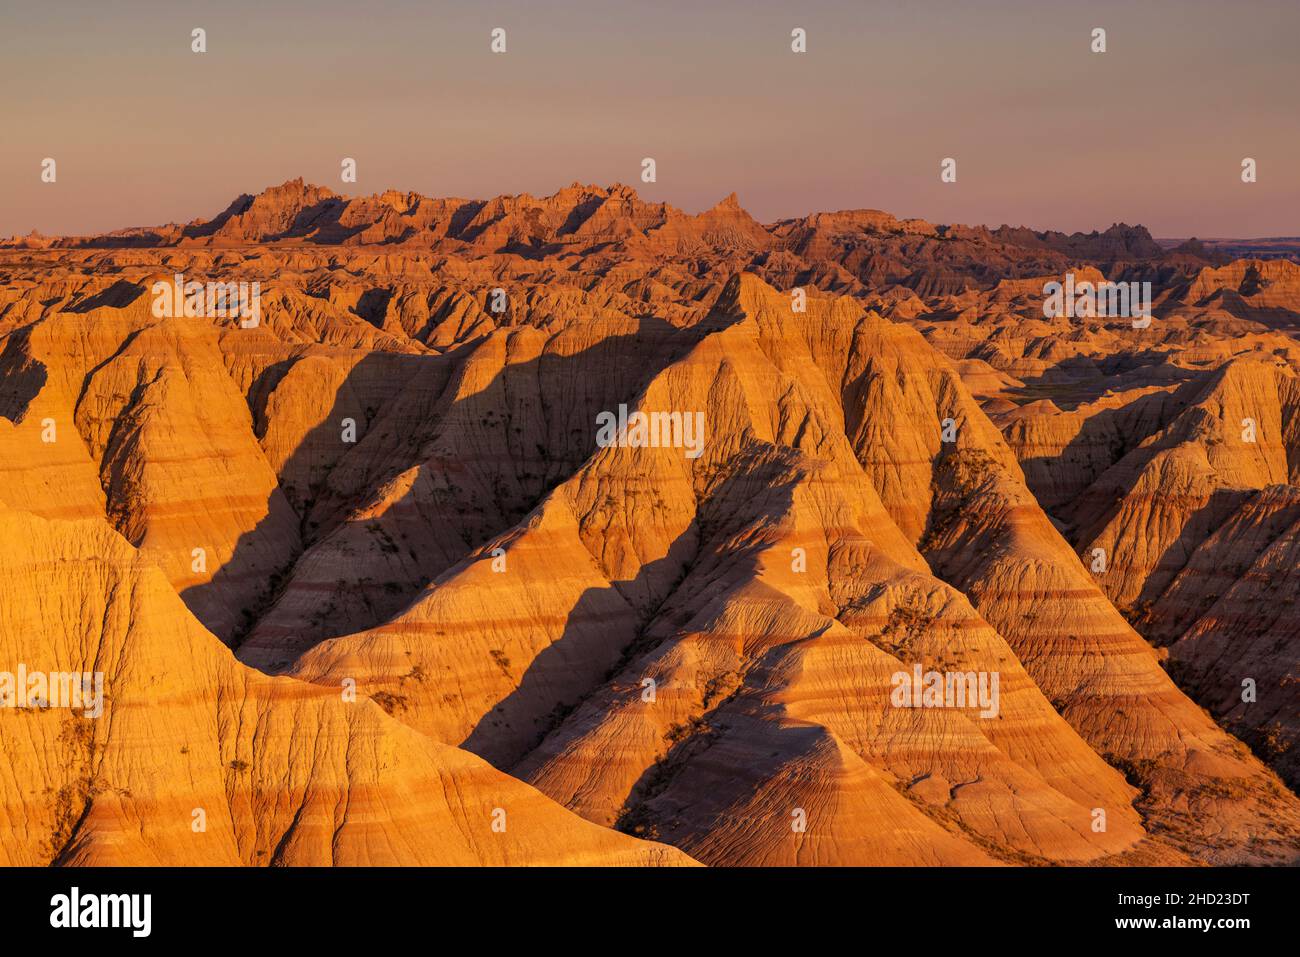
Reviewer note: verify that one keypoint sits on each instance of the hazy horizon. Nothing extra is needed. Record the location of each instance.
(1046, 134)
(355, 194)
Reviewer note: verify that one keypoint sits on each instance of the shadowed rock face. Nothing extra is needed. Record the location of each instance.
(571, 650)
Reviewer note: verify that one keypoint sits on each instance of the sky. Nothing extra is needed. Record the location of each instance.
(1045, 133)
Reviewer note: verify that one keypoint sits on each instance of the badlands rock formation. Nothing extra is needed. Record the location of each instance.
(366, 584)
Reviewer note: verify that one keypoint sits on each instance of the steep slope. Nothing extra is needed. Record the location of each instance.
(1183, 482)
(1231, 617)
(893, 464)
(593, 618)
(198, 760)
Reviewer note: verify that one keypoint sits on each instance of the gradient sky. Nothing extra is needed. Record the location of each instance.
(1046, 133)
